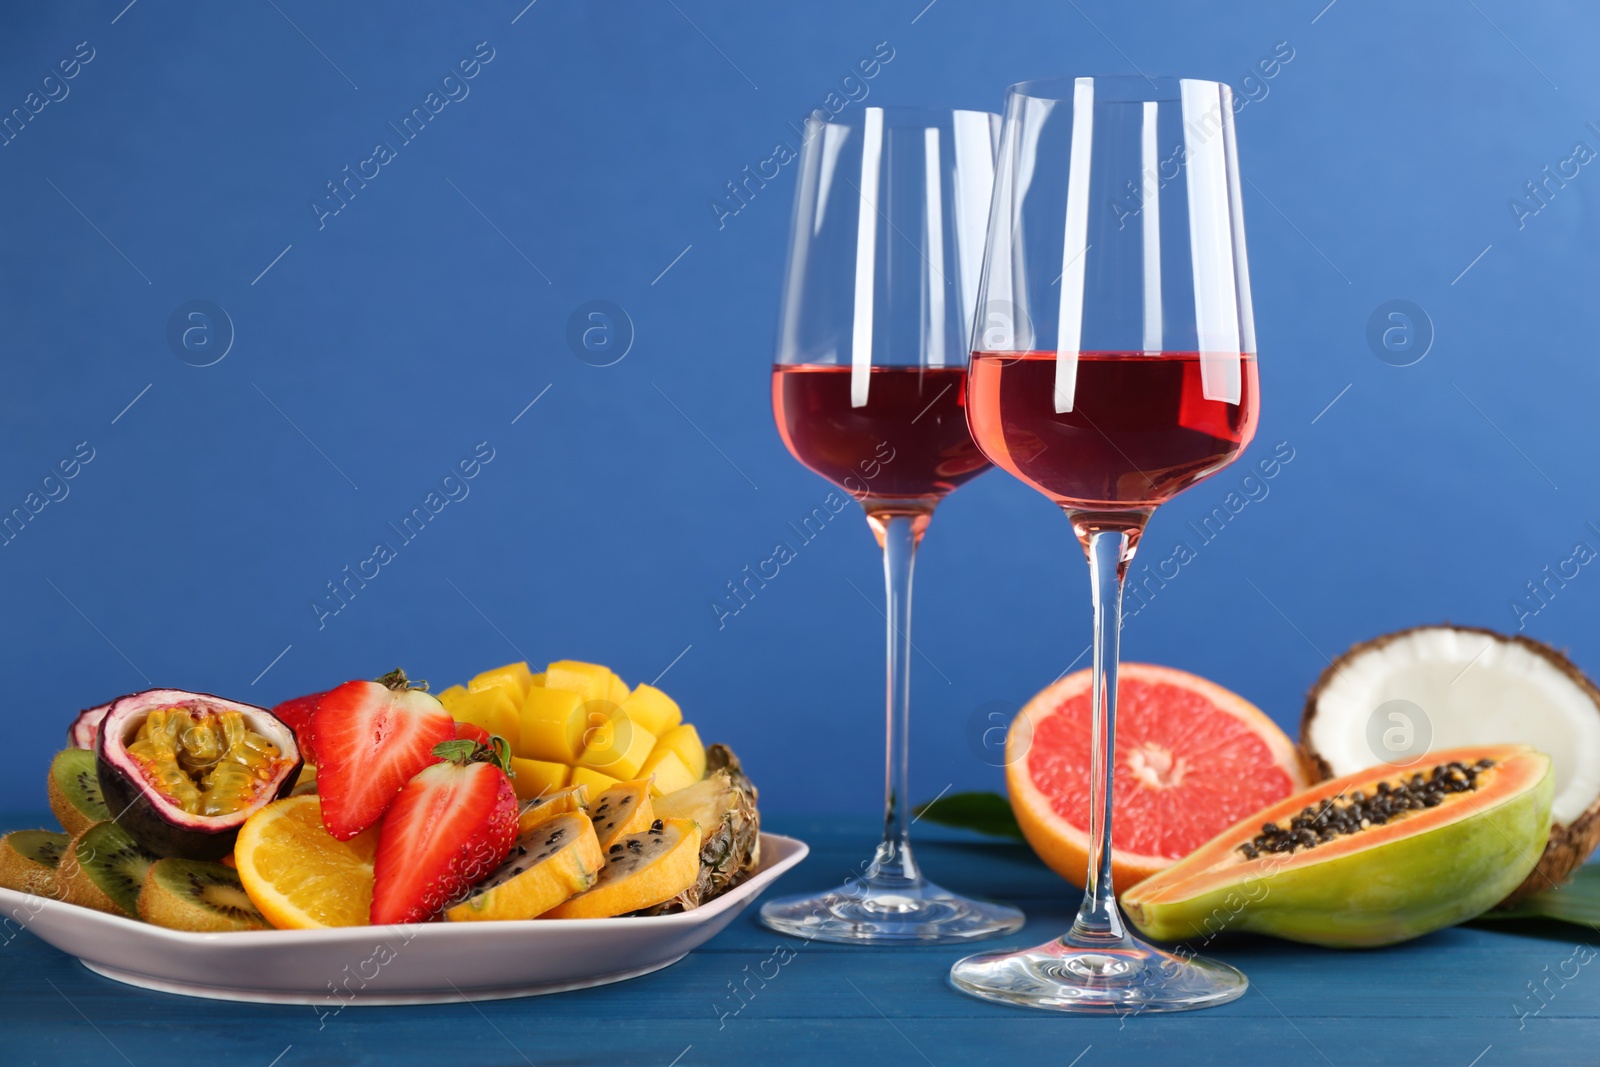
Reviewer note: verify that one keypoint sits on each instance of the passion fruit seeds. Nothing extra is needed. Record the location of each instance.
(207, 763)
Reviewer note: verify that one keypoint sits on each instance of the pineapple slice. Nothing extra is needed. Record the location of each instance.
(514, 676)
(642, 870)
(550, 862)
(553, 722)
(667, 772)
(537, 778)
(616, 745)
(685, 741)
(652, 709)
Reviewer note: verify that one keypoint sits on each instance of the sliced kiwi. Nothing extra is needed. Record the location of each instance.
(104, 869)
(28, 861)
(197, 895)
(75, 794)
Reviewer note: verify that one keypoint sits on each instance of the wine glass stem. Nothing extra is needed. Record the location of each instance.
(899, 533)
(1098, 920)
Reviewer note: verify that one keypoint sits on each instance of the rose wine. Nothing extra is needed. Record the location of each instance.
(1140, 430)
(908, 443)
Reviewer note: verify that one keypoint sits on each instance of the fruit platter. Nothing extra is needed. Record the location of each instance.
(377, 843)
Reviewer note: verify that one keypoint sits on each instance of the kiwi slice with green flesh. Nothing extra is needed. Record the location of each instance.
(197, 895)
(28, 861)
(104, 869)
(74, 789)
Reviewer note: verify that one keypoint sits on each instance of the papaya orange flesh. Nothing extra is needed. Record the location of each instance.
(1421, 870)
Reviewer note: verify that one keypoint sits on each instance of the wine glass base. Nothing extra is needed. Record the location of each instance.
(1125, 978)
(922, 914)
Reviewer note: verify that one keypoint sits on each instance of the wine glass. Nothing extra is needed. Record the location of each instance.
(1114, 367)
(868, 389)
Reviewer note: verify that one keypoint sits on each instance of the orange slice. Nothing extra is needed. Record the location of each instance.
(297, 874)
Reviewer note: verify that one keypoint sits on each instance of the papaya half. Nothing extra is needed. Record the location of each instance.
(1373, 858)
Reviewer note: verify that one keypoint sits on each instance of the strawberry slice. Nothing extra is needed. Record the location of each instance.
(467, 731)
(372, 737)
(449, 829)
(296, 715)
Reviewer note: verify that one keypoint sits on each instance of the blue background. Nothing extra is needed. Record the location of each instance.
(428, 313)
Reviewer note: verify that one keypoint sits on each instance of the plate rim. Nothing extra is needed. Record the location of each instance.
(789, 852)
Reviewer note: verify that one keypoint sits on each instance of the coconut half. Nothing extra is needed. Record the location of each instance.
(1400, 696)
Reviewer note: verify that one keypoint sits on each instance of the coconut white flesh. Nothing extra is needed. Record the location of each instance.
(1474, 690)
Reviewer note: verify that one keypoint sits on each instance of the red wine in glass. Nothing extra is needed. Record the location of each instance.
(907, 445)
(1141, 428)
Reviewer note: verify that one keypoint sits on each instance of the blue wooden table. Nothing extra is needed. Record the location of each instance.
(1462, 997)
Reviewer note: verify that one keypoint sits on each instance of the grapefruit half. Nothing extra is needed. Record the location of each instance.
(1192, 759)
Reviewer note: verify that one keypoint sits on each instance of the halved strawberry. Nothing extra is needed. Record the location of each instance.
(449, 829)
(296, 715)
(372, 737)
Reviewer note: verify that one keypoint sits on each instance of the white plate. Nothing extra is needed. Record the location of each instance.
(422, 963)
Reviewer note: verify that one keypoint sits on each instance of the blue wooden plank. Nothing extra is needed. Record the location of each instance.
(758, 997)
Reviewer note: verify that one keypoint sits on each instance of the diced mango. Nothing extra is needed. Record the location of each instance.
(618, 690)
(592, 680)
(514, 676)
(535, 778)
(666, 771)
(504, 715)
(536, 679)
(652, 709)
(596, 782)
(685, 741)
(451, 699)
(615, 744)
(553, 724)
(492, 709)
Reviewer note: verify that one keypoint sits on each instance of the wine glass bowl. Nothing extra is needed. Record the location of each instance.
(1113, 366)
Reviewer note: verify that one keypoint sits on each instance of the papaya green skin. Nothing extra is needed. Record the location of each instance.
(1397, 891)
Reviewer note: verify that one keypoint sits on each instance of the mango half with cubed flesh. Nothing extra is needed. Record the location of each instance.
(1376, 857)
(578, 723)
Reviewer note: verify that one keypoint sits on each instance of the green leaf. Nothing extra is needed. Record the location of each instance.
(459, 750)
(1578, 901)
(500, 754)
(397, 681)
(465, 750)
(985, 813)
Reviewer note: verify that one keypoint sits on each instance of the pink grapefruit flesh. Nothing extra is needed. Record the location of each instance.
(1192, 759)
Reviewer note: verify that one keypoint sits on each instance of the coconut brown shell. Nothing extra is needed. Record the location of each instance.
(1569, 845)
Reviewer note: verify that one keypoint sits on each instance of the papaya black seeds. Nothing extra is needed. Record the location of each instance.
(1337, 816)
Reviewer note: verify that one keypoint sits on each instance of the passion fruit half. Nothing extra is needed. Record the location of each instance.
(182, 771)
(86, 726)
